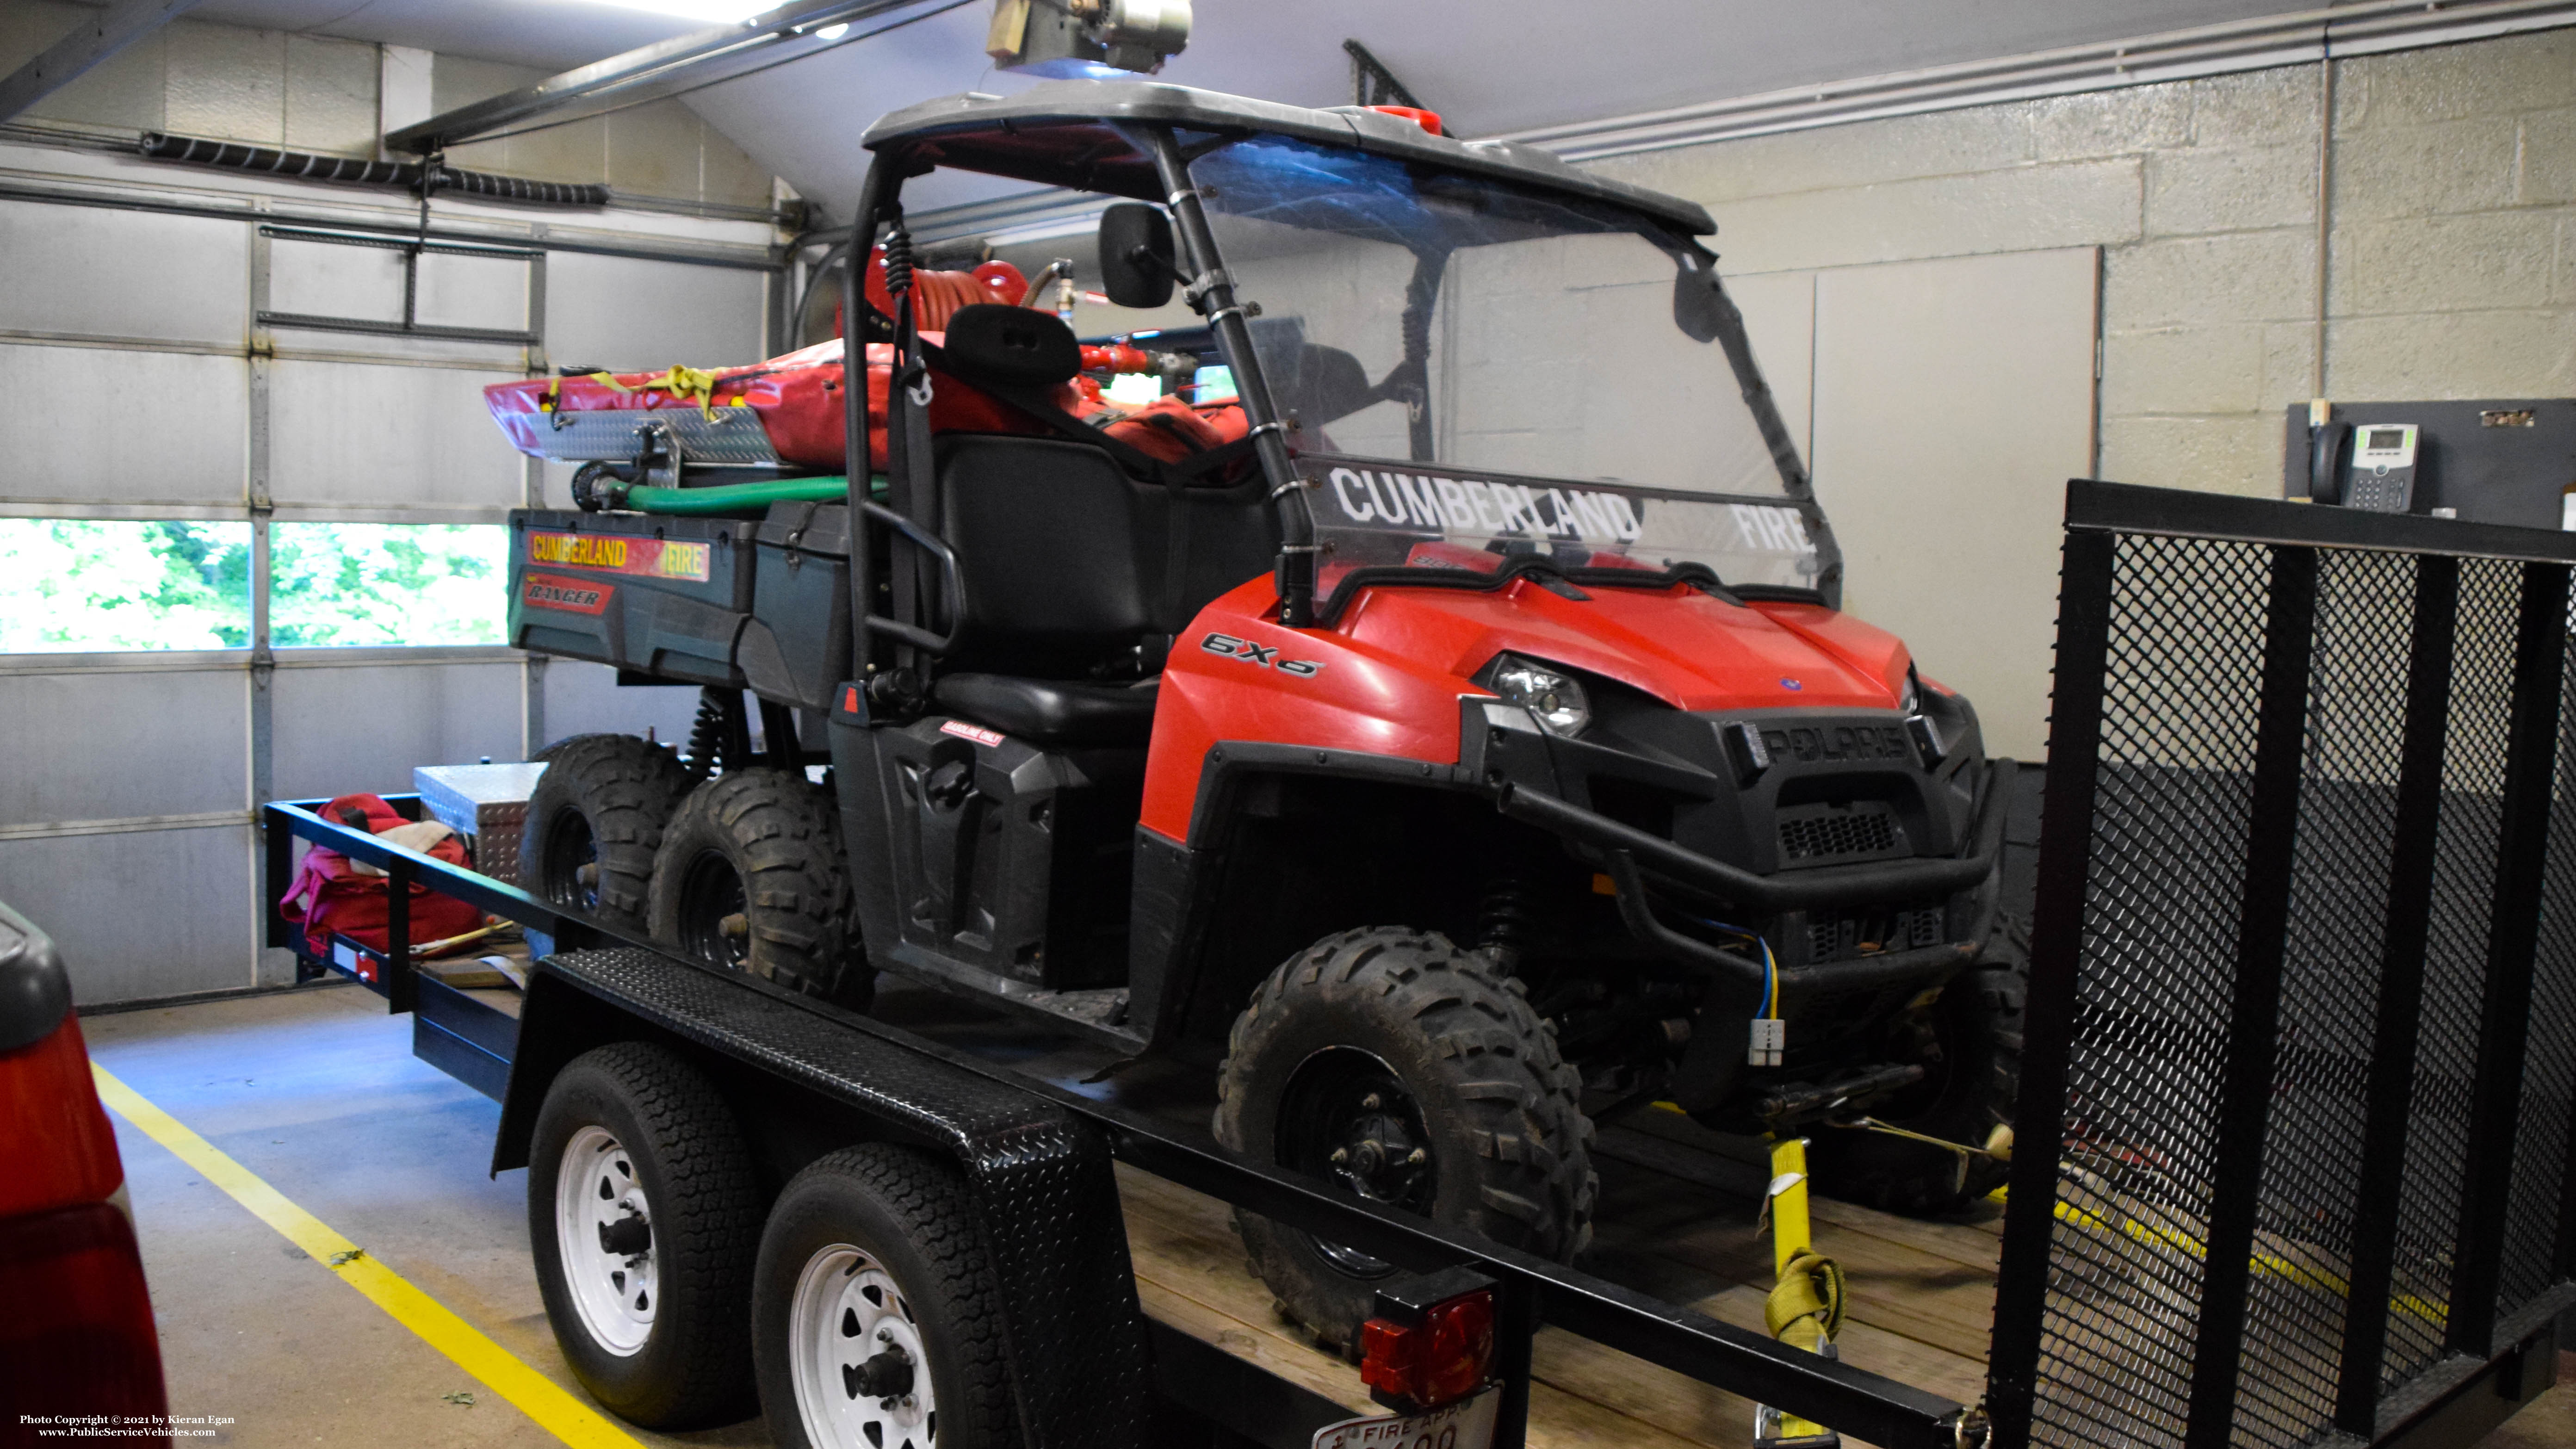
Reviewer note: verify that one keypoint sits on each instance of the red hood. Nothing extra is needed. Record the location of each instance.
(1386, 680)
(1680, 645)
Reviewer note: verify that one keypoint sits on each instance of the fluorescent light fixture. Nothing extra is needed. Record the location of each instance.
(707, 12)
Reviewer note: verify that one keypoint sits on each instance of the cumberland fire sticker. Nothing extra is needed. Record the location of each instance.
(1376, 512)
(577, 596)
(652, 558)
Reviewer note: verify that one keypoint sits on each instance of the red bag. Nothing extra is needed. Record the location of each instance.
(333, 893)
(796, 396)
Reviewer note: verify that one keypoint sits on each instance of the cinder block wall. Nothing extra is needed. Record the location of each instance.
(314, 93)
(2452, 245)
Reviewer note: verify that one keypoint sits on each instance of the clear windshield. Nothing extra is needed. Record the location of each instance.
(1428, 317)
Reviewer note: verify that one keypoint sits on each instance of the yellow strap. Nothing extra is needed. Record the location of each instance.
(554, 1408)
(684, 382)
(1806, 1308)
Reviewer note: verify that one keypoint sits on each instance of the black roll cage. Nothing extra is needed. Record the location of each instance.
(902, 150)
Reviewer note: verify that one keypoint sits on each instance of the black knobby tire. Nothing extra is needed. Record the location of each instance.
(905, 1215)
(602, 803)
(1969, 1091)
(1482, 1091)
(750, 876)
(684, 1150)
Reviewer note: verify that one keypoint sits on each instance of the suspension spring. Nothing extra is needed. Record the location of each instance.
(707, 735)
(1502, 922)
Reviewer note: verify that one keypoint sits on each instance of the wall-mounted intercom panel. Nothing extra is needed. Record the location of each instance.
(2510, 461)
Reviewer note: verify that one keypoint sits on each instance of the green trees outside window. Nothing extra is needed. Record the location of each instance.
(96, 585)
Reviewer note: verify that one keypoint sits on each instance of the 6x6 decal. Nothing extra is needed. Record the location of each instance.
(1265, 656)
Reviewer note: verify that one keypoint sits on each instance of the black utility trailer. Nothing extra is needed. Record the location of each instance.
(1086, 1365)
(2302, 1050)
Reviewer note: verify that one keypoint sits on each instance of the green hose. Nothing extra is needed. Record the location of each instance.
(728, 498)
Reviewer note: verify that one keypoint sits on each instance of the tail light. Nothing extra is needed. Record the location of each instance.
(79, 1339)
(1431, 1341)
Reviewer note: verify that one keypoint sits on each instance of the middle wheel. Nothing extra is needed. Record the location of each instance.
(750, 876)
(1402, 1069)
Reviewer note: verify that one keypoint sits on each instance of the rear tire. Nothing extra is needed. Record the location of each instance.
(594, 823)
(1973, 1077)
(630, 1134)
(1380, 1044)
(872, 1266)
(750, 876)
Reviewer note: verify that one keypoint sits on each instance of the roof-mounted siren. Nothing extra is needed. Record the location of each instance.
(1087, 39)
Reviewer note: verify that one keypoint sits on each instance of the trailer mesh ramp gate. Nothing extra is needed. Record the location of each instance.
(2303, 1009)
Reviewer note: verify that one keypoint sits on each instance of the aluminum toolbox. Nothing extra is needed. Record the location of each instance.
(659, 595)
(487, 804)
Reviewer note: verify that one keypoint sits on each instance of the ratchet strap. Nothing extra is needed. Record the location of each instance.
(1805, 1308)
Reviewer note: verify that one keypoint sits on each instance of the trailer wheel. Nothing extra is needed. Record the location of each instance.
(594, 823)
(750, 876)
(643, 1217)
(1402, 1069)
(1973, 1062)
(874, 1323)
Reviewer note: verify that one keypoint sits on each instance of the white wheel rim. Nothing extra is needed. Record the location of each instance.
(848, 1310)
(616, 1294)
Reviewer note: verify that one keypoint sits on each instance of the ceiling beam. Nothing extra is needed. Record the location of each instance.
(666, 68)
(97, 37)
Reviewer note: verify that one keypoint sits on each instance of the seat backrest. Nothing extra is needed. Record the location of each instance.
(1045, 533)
(1066, 557)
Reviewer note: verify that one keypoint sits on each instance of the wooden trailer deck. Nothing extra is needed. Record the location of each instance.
(1921, 1293)
(1676, 1220)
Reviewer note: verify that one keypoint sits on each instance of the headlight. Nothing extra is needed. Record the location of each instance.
(1912, 700)
(1551, 694)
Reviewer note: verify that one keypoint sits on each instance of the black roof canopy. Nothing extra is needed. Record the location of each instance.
(1066, 133)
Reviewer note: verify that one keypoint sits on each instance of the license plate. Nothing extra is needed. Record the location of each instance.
(1466, 1424)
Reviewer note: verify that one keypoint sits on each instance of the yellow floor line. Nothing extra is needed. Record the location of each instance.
(555, 1409)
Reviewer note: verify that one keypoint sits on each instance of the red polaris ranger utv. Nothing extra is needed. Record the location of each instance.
(1433, 709)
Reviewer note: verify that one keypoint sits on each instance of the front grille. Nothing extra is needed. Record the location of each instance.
(1841, 936)
(1818, 834)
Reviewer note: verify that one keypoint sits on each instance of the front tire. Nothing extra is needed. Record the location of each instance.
(594, 823)
(750, 876)
(643, 1217)
(874, 1321)
(1402, 1069)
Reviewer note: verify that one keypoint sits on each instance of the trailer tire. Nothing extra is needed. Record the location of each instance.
(601, 805)
(750, 876)
(1978, 1024)
(633, 1130)
(1479, 1091)
(868, 1246)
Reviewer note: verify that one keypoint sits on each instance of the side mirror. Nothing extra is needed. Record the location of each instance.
(1330, 384)
(1136, 255)
(1699, 309)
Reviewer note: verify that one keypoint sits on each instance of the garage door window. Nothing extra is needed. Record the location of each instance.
(336, 584)
(81, 585)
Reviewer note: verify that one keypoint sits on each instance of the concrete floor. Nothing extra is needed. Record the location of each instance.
(318, 1093)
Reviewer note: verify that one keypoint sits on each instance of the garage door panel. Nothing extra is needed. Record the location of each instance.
(457, 291)
(327, 279)
(364, 727)
(112, 273)
(630, 316)
(142, 743)
(140, 914)
(179, 434)
(587, 699)
(374, 436)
